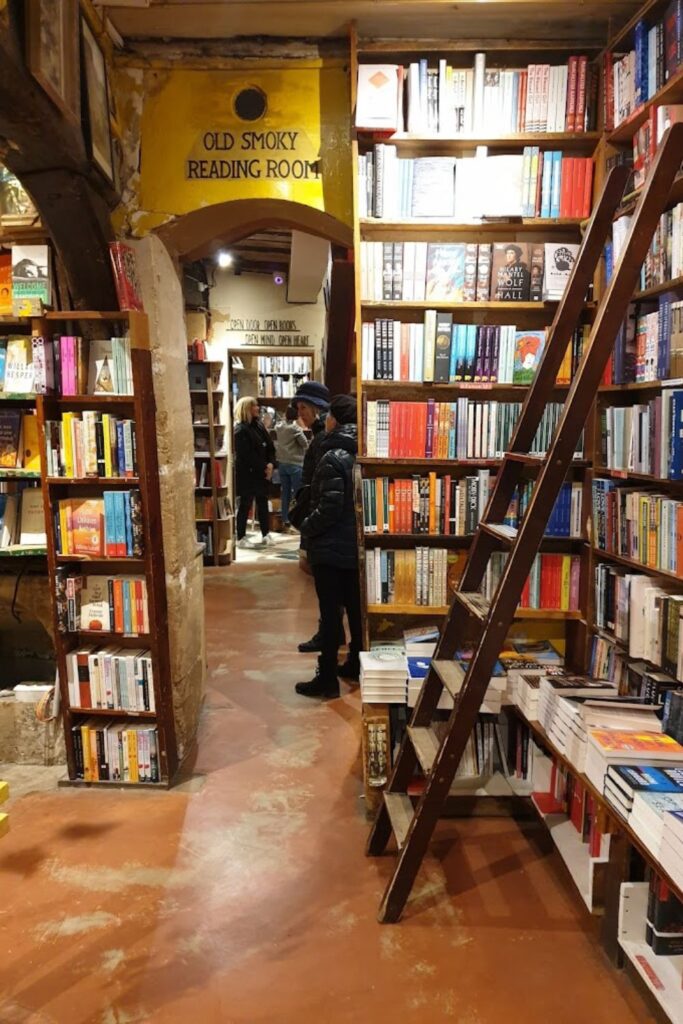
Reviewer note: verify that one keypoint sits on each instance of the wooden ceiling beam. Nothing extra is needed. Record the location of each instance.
(46, 151)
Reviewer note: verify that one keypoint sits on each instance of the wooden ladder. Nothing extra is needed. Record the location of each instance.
(439, 759)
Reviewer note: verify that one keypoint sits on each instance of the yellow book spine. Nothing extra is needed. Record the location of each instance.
(566, 576)
(94, 759)
(63, 528)
(134, 775)
(67, 442)
(107, 447)
(85, 743)
(133, 610)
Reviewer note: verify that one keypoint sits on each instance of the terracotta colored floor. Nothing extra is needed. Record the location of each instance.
(246, 897)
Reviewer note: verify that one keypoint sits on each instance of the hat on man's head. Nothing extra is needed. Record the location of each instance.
(314, 393)
(343, 408)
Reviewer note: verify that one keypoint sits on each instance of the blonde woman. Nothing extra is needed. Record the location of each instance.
(254, 464)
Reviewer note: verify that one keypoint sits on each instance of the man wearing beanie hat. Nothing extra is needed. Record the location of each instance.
(312, 400)
(330, 534)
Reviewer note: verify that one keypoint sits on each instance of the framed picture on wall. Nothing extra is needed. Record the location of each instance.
(96, 103)
(52, 51)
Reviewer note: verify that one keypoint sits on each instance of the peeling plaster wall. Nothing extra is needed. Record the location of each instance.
(163, 301)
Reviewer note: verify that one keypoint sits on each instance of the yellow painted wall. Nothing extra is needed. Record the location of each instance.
(194, 151)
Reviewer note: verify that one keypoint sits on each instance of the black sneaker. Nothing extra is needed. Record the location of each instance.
(318, 687)
(350, 670)
(311, 646)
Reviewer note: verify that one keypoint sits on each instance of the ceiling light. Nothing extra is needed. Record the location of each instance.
(224, 259)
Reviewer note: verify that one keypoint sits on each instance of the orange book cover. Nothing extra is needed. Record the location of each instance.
(616, 741)
(392, 507)
(132, 737)
(5, 284)
(117, 590)
(87, 527)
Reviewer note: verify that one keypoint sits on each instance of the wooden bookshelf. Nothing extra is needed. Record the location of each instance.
(215, 530)
(141, 408)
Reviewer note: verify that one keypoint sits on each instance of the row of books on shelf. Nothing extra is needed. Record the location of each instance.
(646, 437)
(297, 366)
(279, 386)
(531, 184)
(428, 576)
(442, 352)
(204, 507)
(464, 429)
(114, 752)
(90, 444)
(200, 412)
(66, 365)
(19, 448)
(484, 99)
(110, 677)
(648, 137)
(633, 78)
(107, 604)
(639, 525)
(106, 527)
(664, 259)
(203, 471)
(664, 914)
(22, 518)
(649, 346)
(465, 271)
(441, 505)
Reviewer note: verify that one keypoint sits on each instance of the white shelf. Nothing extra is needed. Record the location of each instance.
(663, 975)
(574, 853)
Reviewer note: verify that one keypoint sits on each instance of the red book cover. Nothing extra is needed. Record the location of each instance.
(139, 608)
(405, 352)
(566, 185)
(580, 112)
(521, 105)
(524, 599)
(587, 199)
(393, 432)
(579, 186)
(125, 276)
(576, 809)
(570, 123)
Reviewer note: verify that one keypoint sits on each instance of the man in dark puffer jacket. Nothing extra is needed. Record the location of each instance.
(330, 534)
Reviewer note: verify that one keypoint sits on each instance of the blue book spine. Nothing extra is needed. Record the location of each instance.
(555, 183)
(452, 369)
(640, 39)
(546, 184)
(664, 338)
(471, 351)
(609, 262)
(119, 523)
(109, 524)
(120, 449)
(127, 524)
(676, 460)
(127, 614)
(452, 431)
(424, 101)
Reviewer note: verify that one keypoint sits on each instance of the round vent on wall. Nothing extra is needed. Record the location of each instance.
(250, 104)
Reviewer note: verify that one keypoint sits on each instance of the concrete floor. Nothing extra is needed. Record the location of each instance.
(244, 897)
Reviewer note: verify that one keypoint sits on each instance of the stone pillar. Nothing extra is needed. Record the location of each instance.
(163, 302)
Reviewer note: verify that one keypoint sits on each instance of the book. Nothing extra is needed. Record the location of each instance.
(378, 102)
(87, 528)
(8, 519)
(528, 351)
(102, 376)
(94, 605)
(558, 265)
(445, 272)
(10, 431)
(5, 284)
(510, 273)
(32, 518)
(124, 265)
(19, 370)
(30, 454)
(31, 280)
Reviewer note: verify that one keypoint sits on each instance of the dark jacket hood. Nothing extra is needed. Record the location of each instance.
(345, 436)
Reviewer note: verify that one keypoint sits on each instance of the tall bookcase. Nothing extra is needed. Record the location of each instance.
(214, 529)
(140, 407)
(382, 620)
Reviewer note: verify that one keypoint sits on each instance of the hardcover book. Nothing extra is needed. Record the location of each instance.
(32, 518)
(528, 352)
(125, 276)
(30, 276)
(445, 272)
(559, 262)
(510, 272)
(95, 613)
(10, 429)
(19, 372)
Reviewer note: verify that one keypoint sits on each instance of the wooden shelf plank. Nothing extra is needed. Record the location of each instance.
(493, 305)
(422, 389)
(454, 144)
(376, 228)
(112, 713)
(631, 563)
(539, 614)
(82, 481)
(676, 284)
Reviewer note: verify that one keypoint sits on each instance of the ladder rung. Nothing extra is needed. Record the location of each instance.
(525, 458)
(425, 744)
(451, 674)
(476, 604)
(400, 809)
(500, 531)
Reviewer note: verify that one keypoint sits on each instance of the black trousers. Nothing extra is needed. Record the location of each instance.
(243, 513)
(337, 589)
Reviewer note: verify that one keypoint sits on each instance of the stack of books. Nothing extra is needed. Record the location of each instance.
(623, 781)
(606, 747)
(671, 850)
(383, 676)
